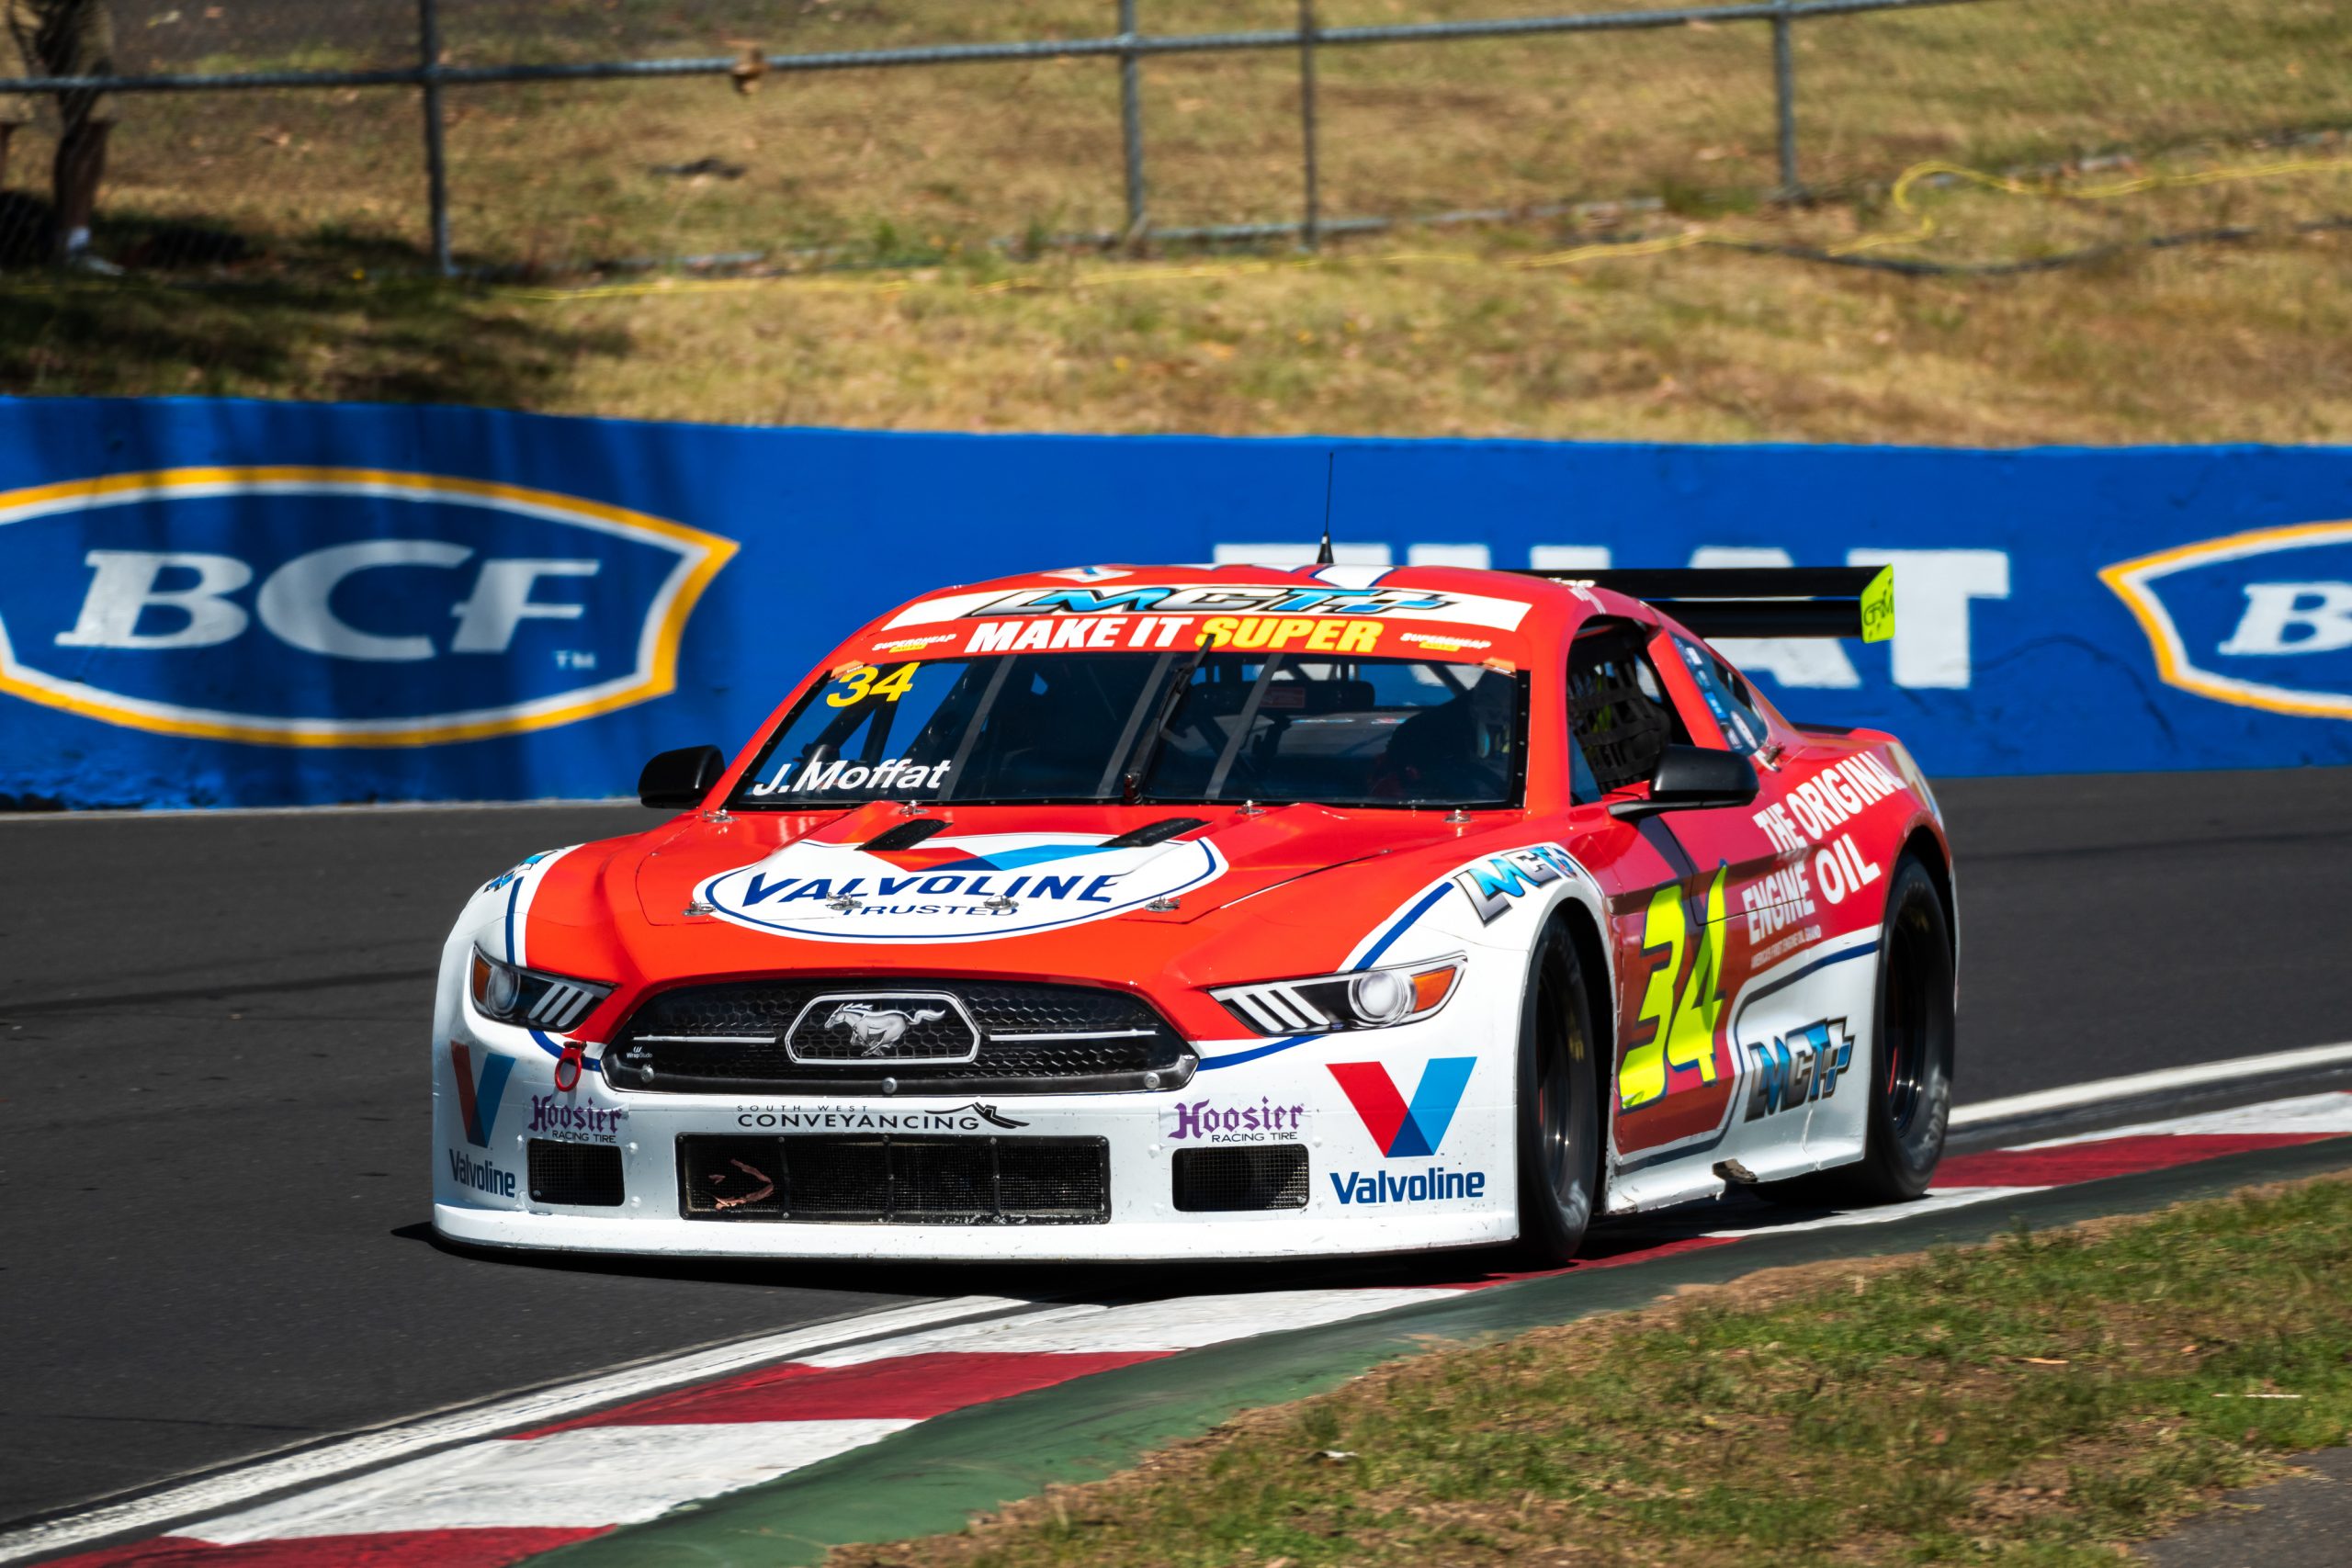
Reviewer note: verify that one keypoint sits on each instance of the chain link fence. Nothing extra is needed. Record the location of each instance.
(551, 137)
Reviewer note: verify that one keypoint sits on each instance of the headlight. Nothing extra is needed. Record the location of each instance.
(1369, 998)
(506, 994)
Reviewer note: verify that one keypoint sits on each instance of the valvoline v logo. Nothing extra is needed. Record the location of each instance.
(1406, 1131)
(479, 1093)
(2261, 619)
(319, 606)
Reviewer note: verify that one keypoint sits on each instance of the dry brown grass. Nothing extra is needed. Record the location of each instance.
(908, 159)
(1428, 333)
(2219, 342)
(2225, 341)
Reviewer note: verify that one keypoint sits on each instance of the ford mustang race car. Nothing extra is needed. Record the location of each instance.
(1140, 912)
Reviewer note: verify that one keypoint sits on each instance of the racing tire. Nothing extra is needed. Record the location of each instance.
(1910, 1081)
(1557, 1107)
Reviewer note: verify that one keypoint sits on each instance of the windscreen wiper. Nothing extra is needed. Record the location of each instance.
(1131, 780)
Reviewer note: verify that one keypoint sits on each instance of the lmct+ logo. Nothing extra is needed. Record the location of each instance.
(2261, 620)
(318, 606)
(1403, 1131)
(478, 1094)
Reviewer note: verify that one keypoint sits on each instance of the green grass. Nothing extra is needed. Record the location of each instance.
(2033, 1403)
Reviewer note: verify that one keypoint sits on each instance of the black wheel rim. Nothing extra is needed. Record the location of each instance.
(1908, 972)
(1555, 1090)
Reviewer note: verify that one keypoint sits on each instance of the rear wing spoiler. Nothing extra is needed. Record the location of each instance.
(1758, 600)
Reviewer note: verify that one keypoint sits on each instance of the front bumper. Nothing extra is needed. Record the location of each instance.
(1360, 1199)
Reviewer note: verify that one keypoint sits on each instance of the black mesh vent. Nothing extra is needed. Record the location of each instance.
(730, 1178)
(1259, 1176)
(891, 1180)
(729, 1039)
(586, 1176)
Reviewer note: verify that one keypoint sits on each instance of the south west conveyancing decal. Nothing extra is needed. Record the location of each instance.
(336, 607)
(2261, 620)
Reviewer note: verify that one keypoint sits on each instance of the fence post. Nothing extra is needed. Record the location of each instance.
(1309, 231)
(437, 159)
(1131, 125)
(1784, 91)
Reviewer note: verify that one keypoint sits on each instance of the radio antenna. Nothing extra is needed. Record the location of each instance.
(1330, 465)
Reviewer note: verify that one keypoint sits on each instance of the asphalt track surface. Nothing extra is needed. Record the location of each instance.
(213, 1128)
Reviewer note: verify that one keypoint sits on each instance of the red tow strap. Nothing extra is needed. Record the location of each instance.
(567, 1064)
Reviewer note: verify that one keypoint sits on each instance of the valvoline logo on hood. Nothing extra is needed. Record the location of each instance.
(315, 606)
(2262, 619)
(968, 889)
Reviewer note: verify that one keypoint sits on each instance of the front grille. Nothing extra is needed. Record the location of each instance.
(1034, 1039)
(894, 1180)
(587, 1176)
(1230, 1181)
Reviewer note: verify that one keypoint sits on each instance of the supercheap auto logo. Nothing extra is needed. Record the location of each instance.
(1163, 601)
(2260, 620)
(1403, 1129)
(334, 607)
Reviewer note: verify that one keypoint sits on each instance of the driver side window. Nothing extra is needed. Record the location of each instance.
(1619, 713)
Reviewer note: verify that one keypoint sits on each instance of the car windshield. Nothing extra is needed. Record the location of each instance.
(1186, 727)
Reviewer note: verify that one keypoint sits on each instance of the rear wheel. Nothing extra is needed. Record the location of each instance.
(1910, 1090)
(1558, 1107)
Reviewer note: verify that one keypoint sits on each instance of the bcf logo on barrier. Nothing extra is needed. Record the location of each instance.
(315, 606)
(2261, 619)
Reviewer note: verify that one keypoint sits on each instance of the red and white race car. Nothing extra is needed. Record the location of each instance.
(1161, 912)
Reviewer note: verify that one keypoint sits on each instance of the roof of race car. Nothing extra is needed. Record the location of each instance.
(1408, 611)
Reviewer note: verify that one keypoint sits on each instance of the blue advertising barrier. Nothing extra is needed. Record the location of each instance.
(221, 603)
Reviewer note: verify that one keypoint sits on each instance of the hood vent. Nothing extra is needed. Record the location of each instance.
(906, 835)
(1158, 833)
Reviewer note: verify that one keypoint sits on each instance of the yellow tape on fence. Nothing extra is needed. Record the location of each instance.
(1906, 194)
(2050, 190)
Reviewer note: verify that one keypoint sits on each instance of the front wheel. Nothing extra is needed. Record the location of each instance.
(1558, 1107)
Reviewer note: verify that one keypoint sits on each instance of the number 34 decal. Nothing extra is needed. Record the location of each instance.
(1683, 1000)
(858, 683)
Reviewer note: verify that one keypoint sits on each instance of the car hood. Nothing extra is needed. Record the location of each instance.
(878, 876)
(1247, 895)
(1043, 892)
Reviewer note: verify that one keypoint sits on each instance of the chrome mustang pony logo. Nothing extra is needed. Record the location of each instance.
(876, 1029)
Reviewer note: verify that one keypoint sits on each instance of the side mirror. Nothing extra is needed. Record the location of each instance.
(677, 780)
(1693, 778)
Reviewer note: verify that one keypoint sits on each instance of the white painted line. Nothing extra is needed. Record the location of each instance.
(1178, 1322)
(2074, 1096)
(365, 1450)
(2328, 1114)
(578, 1480)
(1937, 1201)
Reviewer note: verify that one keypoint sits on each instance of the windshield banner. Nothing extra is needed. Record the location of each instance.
(220, 602)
